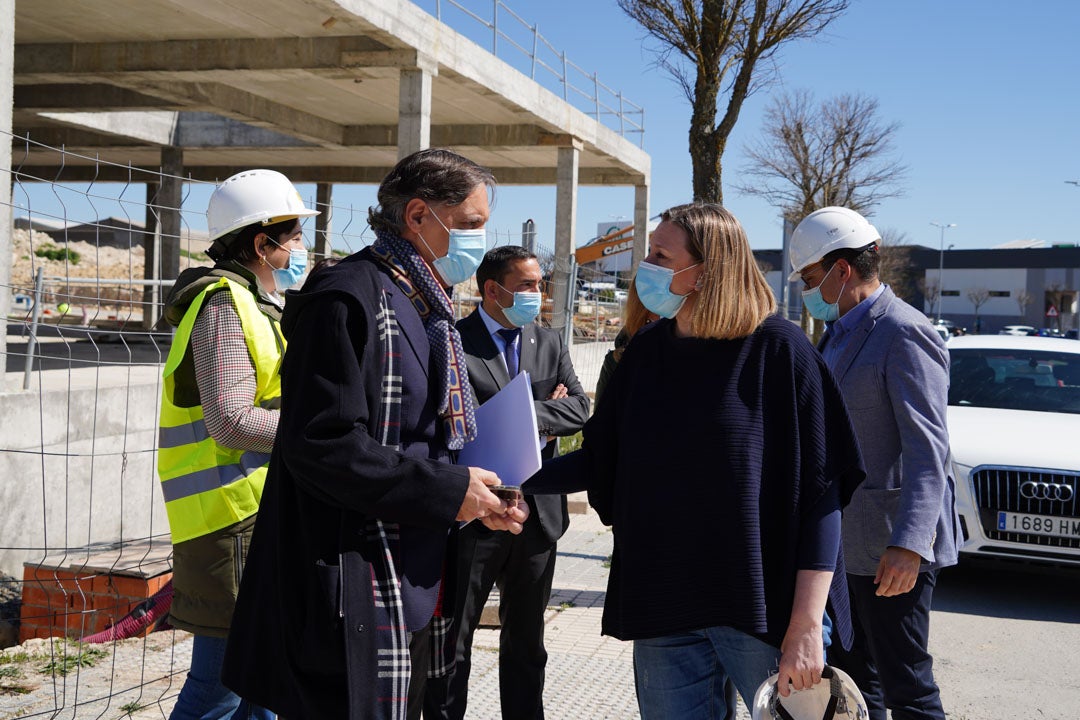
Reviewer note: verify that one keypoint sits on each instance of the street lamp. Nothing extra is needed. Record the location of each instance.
(941, 265)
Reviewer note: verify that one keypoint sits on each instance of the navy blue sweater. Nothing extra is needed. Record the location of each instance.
(714, 462)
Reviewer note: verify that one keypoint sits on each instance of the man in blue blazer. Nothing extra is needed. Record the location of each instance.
(901, 526)
(501, 339)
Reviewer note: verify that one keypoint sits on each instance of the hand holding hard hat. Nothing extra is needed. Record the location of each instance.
(836, 697)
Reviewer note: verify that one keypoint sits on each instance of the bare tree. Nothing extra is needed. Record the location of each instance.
(978, 297)
(895, 268)
(931, 289)
(1023, 299)
(812, 155)
(719, 51)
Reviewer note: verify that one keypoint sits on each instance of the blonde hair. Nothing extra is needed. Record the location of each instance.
(734, 298)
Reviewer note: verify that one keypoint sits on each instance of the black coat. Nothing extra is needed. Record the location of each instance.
(301, 641)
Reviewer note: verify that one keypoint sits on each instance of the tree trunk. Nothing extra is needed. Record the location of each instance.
(705, 155)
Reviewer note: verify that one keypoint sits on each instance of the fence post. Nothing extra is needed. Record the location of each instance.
(536, 34)
(596, 94)
(31, 342)
(438, 10)
(571, 296)
(564, 78)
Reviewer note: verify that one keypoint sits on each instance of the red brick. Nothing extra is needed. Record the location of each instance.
(35, 614)
(130, 587)
(111, 604)
(157, 582)
(33, 595)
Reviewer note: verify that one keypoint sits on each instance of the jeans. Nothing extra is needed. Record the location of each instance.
(686, 675)
(203, 697)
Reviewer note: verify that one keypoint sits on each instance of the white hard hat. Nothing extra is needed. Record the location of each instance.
(825, 230)
(835, 697)
(253, 196)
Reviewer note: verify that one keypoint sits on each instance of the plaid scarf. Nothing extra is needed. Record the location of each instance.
(392, 639)
(457, 405)
(393, 660)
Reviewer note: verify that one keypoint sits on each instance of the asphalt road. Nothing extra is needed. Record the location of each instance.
(1006, 642)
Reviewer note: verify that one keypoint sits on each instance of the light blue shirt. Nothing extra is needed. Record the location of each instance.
(838, 334)
(494, 327)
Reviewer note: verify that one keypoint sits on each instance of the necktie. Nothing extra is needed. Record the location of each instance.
(509, 336)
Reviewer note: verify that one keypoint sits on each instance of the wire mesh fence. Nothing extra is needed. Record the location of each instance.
(85, 553)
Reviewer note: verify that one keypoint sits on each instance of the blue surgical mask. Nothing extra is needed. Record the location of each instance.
(524, 310)
(291, 275)
(463, 256)
(817, 307)
(653, 285)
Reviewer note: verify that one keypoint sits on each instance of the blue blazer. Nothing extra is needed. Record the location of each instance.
(894, 376)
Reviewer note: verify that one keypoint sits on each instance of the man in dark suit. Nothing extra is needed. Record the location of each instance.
(500, 339)
(901, 526)
(338, 613)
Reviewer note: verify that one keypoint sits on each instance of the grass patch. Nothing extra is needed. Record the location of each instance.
(606, 563)
(197, 256)
(17, 657)
(131, 708)
(570, 443)
(65, 661)
(51, 252)
(10, 677)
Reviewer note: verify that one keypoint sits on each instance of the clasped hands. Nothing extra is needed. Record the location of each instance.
(481, 504)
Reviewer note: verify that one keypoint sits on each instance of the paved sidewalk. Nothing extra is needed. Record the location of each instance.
(589, 676)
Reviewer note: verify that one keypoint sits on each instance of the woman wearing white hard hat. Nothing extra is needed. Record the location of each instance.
(720, 454)
(219, 414)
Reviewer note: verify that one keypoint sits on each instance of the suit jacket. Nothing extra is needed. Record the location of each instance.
(547, 360)
(894, 375)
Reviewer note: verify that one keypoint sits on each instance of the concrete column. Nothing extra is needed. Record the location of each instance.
(169, 199)
(566, 193)
(324, 200)
(152, 296)
(641, 226)
(7, 81)
(414, 111)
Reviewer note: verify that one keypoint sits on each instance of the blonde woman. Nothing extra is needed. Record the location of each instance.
(720, 458)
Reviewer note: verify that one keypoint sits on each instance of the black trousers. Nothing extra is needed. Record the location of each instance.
(889, 660)
(522, 566)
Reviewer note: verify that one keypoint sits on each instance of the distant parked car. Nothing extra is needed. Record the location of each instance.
(1014, 420)
(1018, 330)
(950, 326)
(1072, 334)
(1049, 332)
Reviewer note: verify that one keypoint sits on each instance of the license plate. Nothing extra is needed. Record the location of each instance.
(1038, 525)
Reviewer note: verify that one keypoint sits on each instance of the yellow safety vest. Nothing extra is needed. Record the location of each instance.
(206, 486)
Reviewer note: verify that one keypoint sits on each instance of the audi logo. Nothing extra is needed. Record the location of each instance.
(1032, 490)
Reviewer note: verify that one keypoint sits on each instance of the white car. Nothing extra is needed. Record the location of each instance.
(1014, 428)
(1018, 330)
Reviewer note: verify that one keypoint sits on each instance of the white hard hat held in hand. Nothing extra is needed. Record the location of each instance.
(836, 697)
(253, 196)
(826, 230)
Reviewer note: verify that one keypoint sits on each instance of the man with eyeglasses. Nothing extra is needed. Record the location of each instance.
(901, 526)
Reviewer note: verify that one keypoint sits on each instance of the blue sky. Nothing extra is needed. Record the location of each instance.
(985, 91)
